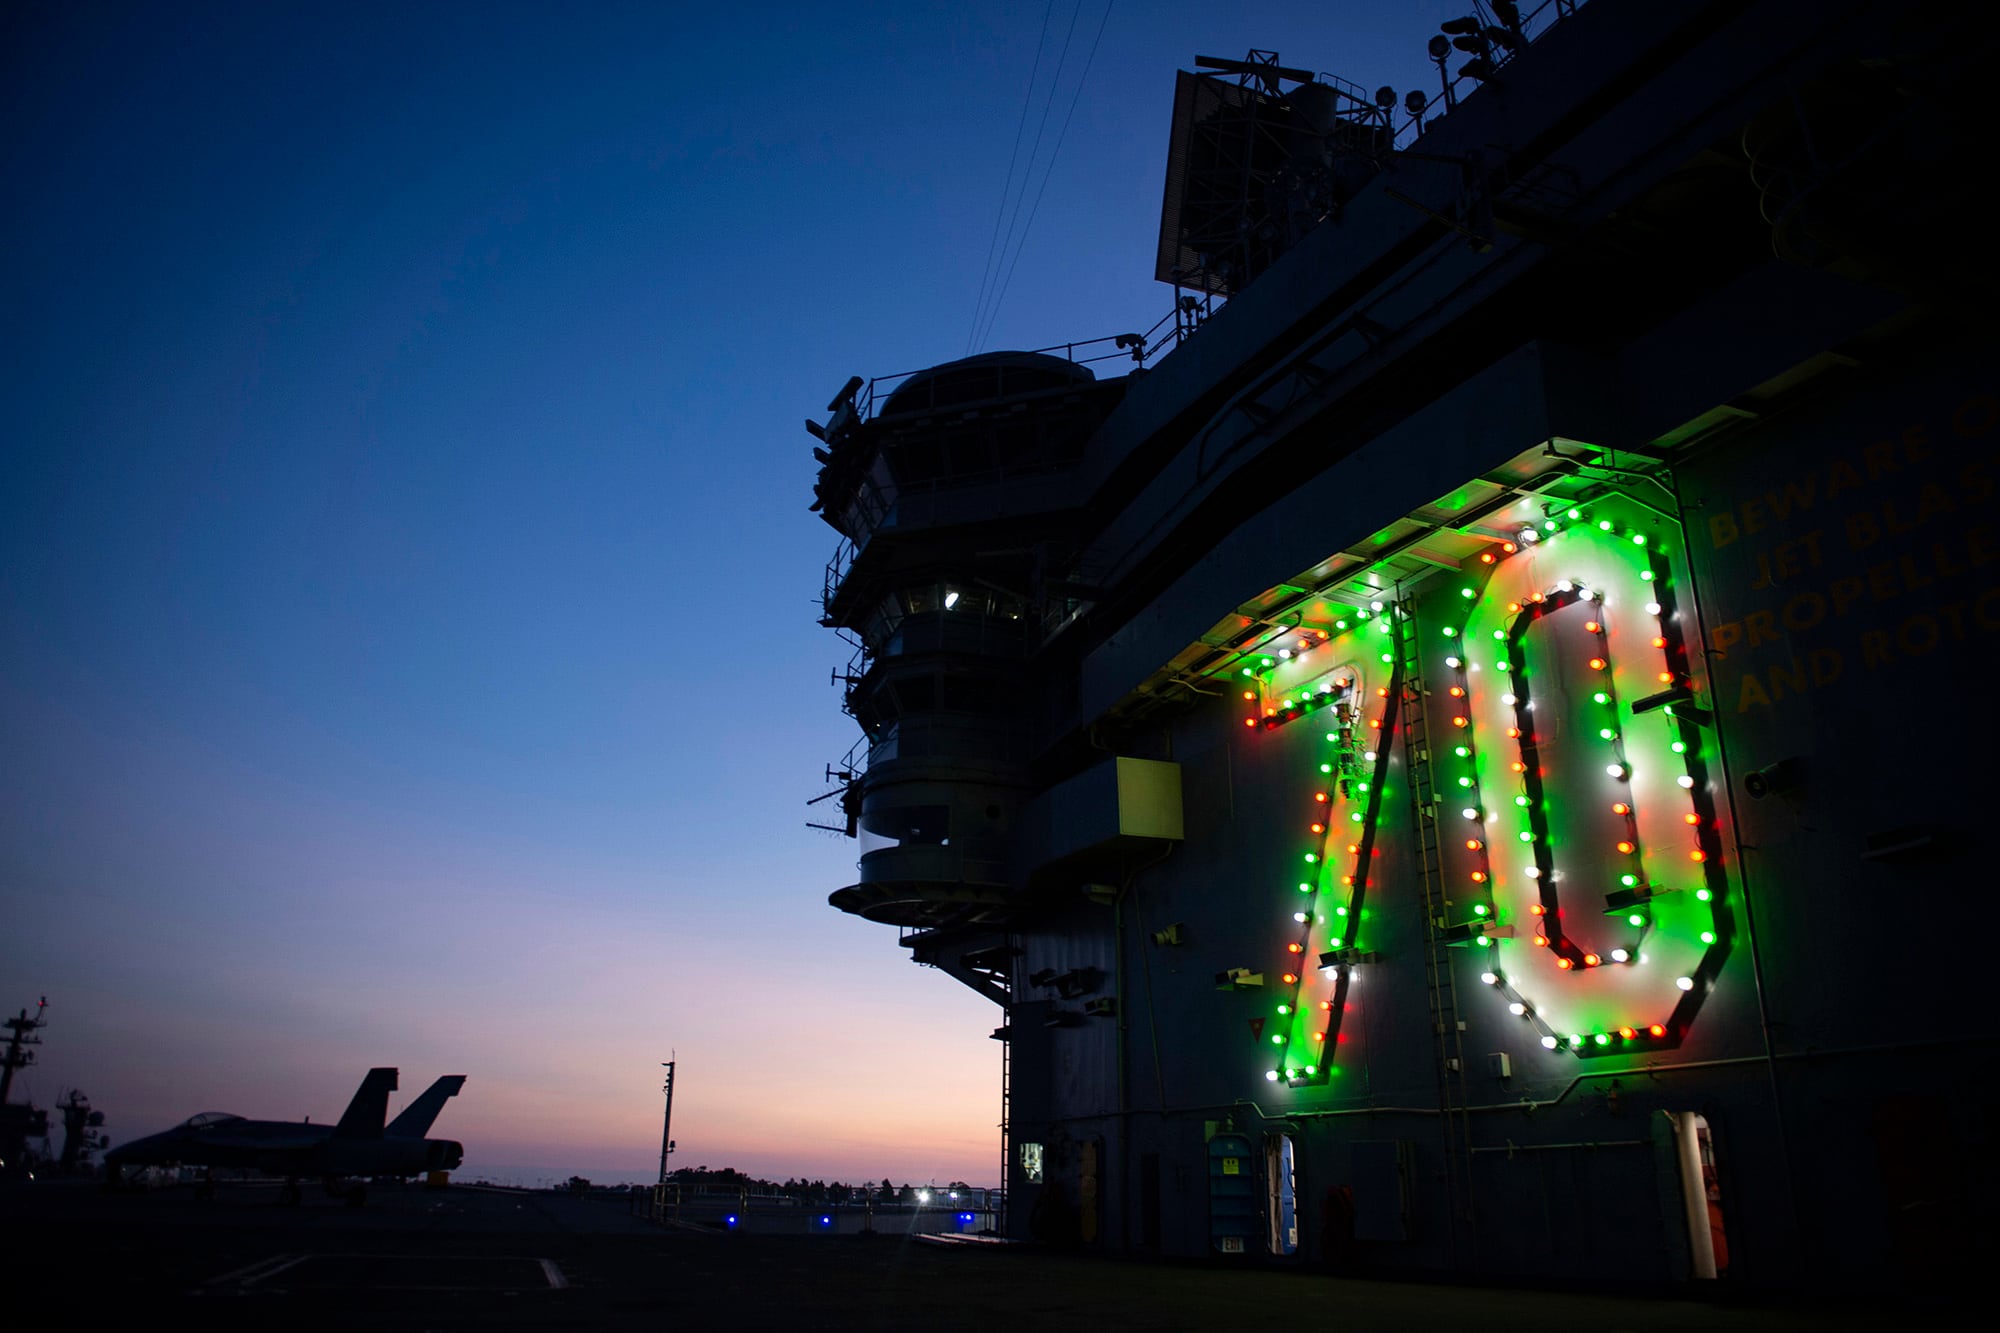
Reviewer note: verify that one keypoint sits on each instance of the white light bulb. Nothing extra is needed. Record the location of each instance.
(1619, 955)
(1685, 983)
(1489, 978)
(1517, 1009)
(1684, 780)
(1652, 608)
(1548, 1043)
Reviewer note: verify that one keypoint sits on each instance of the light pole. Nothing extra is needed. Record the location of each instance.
(667, 1129)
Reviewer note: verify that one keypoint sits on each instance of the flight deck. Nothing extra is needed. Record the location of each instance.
(469, 1255)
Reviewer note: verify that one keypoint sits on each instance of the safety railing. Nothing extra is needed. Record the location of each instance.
(1139, 349)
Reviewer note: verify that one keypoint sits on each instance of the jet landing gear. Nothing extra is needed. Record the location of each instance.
(353, 1193)
(289, 1194)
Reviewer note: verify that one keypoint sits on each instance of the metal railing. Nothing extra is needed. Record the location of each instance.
(1140, 349)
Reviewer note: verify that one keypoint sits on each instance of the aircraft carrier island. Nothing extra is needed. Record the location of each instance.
(1421, 759)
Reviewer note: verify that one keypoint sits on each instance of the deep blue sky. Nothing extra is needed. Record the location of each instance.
(409, 597)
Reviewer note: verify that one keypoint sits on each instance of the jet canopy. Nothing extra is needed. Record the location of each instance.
(207, 1118)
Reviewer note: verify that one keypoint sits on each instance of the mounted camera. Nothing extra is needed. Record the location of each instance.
(1781, 776)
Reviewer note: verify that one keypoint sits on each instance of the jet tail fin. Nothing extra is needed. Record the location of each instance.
(363, 1117)
(416, 1119)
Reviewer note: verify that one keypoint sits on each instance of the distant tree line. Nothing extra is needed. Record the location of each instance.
(810, 1192)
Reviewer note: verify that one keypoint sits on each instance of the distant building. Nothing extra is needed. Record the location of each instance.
(1453, 766)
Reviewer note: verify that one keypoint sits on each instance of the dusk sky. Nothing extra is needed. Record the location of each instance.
(410, 602)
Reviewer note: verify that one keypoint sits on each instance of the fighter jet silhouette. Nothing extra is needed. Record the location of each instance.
(358, 1145)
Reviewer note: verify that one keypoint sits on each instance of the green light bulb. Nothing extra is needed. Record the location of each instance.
(1284, 1008)
(1606, 733)
(1462, 752)
(1636, 919)
(1312, 1069)
(1499, 633)
(1708, 937)
(1576, 513)
(1277, 1040)
(1527, 836)
(1479, 909)
(1628, 880)
(1702, 895)
(1601, 697)
(1311, 858)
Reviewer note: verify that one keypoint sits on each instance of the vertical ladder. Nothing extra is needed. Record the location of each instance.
(1006, 1066)
(1439, 984)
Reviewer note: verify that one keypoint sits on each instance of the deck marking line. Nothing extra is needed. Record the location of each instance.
(251, 1272)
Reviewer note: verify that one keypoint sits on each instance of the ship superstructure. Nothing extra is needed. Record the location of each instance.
(1422, 766)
